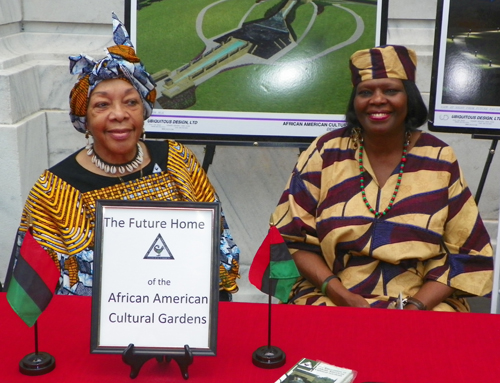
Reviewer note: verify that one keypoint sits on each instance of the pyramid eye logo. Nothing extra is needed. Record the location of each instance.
(159, 250)
(307, 364)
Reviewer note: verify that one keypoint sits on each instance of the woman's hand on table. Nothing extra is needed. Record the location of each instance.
(343, 297)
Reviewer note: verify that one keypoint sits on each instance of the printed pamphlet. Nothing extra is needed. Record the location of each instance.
(313, 371)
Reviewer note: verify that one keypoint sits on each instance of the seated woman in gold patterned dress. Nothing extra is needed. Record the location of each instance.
(109, 103)
(380, 208)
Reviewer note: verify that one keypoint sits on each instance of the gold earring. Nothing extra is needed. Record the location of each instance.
(356, 137)
(408, 137)
(87, 136)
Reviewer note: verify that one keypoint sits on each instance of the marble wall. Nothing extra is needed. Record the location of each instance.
(36, 38)
(35, 132)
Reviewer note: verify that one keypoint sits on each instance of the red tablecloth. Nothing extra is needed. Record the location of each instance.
(381, 345)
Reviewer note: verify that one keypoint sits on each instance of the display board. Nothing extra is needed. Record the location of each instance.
(145, 290)
(247, 70)
(465, 91)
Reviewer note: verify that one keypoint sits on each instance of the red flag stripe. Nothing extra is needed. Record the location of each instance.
(40, 261)
(262, 257)
(275, 236)
(260, 263)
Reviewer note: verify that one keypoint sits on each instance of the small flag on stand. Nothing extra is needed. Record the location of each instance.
(273, 270)
(33, 282)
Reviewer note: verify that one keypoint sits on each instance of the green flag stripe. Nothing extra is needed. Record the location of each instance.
(22, 303)
(283, 269)
(283, 288)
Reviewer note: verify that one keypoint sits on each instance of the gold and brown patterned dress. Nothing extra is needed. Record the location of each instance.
(432, 232)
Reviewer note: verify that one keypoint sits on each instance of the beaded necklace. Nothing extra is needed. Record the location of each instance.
(113, 168)
(398, 182)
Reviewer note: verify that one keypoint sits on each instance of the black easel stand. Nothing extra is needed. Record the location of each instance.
(136, 361)
(209, 156)
(491, 153)
(37, 363)
(269, 356)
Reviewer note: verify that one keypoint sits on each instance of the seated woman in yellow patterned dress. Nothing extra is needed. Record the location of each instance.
(109, 103)
(379, 208)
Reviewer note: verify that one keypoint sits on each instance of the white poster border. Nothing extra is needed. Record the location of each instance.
(255, 127)
(156, 277)
(456, 118)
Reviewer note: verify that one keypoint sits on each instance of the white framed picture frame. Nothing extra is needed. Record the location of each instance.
(155, 284)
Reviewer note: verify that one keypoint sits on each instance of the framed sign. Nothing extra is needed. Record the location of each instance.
(246, 70)
(465, 91)
(156, 277)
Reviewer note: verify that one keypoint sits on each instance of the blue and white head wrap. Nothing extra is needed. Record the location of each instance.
(120, 62)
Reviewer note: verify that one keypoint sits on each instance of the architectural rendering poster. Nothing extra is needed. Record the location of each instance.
(465, 92)
(259, 69)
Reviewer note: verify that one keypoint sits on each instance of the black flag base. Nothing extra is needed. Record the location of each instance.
(37, 363)
(268, 357)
